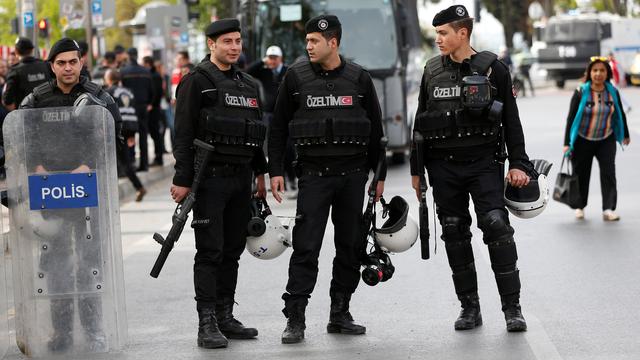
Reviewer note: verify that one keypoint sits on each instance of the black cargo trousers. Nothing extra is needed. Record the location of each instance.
(482, 179)
(344, 195)
(220, 218)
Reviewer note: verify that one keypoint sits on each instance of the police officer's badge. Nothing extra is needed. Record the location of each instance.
(460, 11)
(323, 24)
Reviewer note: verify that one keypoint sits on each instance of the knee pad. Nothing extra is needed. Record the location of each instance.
(457, 240)
(495, 226)
(454, 229)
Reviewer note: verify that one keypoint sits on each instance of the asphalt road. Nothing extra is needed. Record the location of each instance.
(580, 280)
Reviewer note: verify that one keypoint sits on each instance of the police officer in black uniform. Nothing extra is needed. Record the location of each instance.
(328, 107)
(137, 78)
(466, 113)
(67, 86)
(218, 103)
(24, 76)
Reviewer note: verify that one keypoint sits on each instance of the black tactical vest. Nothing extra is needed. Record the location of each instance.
(31, 73)
(445, 123)
(125, 101)
(43, 95)
(234, 124)
(330, 119)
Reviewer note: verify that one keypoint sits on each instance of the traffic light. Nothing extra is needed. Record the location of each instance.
(43, 28)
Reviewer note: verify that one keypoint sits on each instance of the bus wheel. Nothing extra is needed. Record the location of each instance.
(560, 83)
(398, 158)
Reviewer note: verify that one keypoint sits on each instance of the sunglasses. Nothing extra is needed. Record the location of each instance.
(599, 58)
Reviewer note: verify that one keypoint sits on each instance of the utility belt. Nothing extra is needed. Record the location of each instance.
(234, 131)
(439, 124)
(227, 170)
(301, 170)
(336, 131)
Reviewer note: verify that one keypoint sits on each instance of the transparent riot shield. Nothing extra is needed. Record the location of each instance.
(4, 288)
(65, 237)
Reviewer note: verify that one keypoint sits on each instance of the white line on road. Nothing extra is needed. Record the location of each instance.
(537, 338)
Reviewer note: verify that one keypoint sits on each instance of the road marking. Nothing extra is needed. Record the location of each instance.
(536, 336)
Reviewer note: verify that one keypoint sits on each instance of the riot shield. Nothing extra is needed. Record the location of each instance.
(65, 238)
(4, 289)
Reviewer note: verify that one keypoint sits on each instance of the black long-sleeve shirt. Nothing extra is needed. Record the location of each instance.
(573, 109)
(287, 104)
(514, 136)
(190, 100)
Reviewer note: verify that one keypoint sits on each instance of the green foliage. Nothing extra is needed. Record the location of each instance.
(8, 13)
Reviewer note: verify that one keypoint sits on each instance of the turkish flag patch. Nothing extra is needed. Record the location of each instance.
(346, 100)
(514, 92)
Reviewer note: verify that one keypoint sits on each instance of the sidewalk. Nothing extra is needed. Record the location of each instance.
(148, 178)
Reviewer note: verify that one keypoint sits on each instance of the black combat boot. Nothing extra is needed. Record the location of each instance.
(470, 315)
(513, 314)
(209, 336)
(340, 320)
(294, 332)
(230, 326)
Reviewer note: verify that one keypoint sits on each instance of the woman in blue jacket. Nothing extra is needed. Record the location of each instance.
(595, 123)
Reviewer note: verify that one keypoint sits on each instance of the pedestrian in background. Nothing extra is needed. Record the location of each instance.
(595, 122)
(125, 100)
(24, 76)
(138, 79)
(156, 114)
(270, 71)
(107, 62)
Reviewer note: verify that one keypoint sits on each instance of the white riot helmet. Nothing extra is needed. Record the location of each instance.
(529, 201)
(399, 232)
(267, 237)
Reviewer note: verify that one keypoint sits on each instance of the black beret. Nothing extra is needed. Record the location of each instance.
(84, 47)
(222, 26)
(62, 45)
(450, 14)
(322, 23)
(133, 52)
(110, 55)
(23, 44)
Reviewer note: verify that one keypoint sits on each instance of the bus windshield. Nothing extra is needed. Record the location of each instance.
(572, 31)
(368, 29)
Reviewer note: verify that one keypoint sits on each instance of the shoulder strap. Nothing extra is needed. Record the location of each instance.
(92, 87)
(303, 71)
(213, 76)
(352, 72)
(435, 66)
(41, 91)
(482, 61)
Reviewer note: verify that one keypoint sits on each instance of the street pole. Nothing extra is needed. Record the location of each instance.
(27, 9)
(88, 29)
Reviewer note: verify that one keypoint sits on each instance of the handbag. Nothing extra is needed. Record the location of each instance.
(567, 188)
